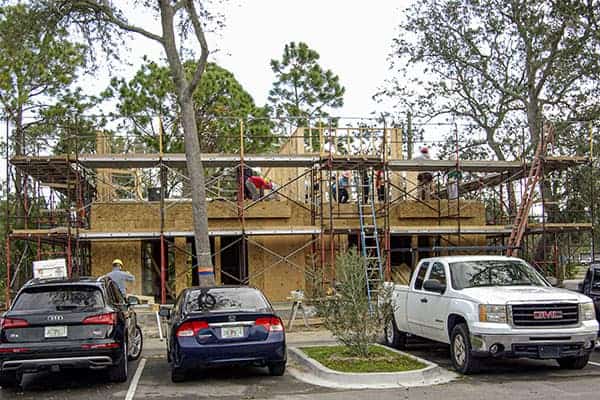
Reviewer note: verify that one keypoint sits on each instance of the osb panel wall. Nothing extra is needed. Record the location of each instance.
(183, 273)
(130, 252)
(144, 216)
(277, 281)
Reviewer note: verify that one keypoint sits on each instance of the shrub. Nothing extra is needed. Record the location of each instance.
(354, 320)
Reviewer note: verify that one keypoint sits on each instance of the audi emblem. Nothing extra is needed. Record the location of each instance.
(55, 317)
(232, 318)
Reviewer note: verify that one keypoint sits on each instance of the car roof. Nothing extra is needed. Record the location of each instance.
(86, 280)
(451, 259)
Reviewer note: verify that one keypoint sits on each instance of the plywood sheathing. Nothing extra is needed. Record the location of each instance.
(295, 190)
(183, 273)
(277, 280)
(130, 252)
(145, 216)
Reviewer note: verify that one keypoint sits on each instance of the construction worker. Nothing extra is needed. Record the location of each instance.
(119, 276)
(256, 185)
(344, 184)
(424, 179)
(380, 184)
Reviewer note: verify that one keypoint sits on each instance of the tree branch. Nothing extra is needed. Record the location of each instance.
(110, 16)
(199, 31)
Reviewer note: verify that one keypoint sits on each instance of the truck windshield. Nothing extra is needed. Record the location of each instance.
(480, 273)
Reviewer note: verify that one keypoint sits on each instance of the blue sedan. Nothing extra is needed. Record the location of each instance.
(224, 325)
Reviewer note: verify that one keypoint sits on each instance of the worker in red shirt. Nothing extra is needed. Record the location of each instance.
(257, 185)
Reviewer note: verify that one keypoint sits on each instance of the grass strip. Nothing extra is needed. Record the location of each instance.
(380, 359)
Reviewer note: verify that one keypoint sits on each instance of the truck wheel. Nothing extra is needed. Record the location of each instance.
(393, 337)
(573, 362)
(460, 351)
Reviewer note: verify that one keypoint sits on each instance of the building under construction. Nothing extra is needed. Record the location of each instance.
(92, 208)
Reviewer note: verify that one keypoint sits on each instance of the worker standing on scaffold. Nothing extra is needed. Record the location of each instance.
(425, 178)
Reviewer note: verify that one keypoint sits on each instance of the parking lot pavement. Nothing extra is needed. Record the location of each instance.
(495, 369)
(500, 379)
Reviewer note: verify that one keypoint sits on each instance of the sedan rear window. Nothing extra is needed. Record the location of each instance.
(223, 299)
(59, 299)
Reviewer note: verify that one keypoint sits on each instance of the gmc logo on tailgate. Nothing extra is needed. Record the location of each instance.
(547, 314)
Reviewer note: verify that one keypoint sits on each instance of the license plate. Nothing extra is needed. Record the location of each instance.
(55, 331)
(232, 332)
(549, 351)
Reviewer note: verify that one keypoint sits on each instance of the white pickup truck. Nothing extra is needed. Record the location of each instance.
(492, 306)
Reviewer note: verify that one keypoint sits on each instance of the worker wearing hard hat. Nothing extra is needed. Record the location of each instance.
(119, 276)
(425, 178)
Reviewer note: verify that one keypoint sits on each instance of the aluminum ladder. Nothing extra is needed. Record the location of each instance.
(369, 236)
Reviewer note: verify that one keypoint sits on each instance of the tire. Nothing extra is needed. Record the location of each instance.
(137, 345)
(118, 373)
(177, 374)
(573, 362)
(9, 379)
(277, 369)
(393, 337)
(461, 352)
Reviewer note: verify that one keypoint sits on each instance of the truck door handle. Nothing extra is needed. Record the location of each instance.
(424, 300)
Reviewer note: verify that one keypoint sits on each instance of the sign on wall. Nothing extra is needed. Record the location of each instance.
(45, 269)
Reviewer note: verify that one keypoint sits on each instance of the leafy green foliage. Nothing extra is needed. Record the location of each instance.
(38, 64)
(340, 358)
(347, 313)
(220, 103)
(302, 88)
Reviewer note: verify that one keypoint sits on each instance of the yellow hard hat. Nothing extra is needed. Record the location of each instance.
(117, 261)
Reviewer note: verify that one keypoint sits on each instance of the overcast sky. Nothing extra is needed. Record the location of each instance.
(353, 39)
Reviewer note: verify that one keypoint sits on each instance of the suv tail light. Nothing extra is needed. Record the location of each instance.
(8, 323)
(272, 324)
(101, 319)
(191, 328)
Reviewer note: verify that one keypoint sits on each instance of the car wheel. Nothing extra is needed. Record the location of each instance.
(277, 369)
(393, 337)
(9, 379)
(137, 343)
(177, 374)
(460, 351)
(118, 373)
(573, 362)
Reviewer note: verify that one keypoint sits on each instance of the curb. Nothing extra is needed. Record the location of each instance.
(316, 373)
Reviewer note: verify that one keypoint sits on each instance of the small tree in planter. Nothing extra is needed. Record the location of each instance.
(347, 312)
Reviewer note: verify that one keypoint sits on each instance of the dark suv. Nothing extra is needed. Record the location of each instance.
(59, 324)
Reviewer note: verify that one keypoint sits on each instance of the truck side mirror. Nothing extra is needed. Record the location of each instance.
(552, 280)
(433, 285)
(133, 301)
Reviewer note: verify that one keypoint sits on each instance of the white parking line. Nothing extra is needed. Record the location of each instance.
(135, 380)
(595, 364)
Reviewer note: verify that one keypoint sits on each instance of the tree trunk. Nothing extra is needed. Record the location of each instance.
(195, 169)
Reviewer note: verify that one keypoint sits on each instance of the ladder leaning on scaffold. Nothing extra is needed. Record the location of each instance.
(535, 173)
(369, 236)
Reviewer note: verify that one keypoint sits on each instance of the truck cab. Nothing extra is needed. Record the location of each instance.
(492, 306)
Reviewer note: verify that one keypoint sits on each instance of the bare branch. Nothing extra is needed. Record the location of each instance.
(111, 17)
(199, 31)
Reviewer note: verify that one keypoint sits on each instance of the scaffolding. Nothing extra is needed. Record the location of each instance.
(307, 167)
